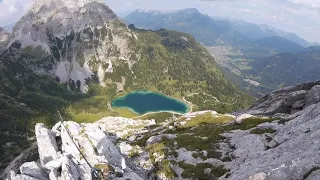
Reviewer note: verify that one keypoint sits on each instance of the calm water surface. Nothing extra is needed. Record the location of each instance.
(142, 102)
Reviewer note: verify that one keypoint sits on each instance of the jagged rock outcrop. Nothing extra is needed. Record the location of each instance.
(62, 148)
(292, 150)
(48, 144)
(287, 100)
(34, 169)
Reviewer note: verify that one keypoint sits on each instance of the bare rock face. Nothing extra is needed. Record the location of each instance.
(35, 170)
(314, 175)
(288, 100)
(4, 36)
(313, 96)
(14, 176)
(73, 39)
(292, 151)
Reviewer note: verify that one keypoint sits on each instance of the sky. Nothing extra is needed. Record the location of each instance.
(299, 16)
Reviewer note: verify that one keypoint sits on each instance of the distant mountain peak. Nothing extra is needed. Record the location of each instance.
(70, 4)
(59, 17)
(153, 11)
(190, 10)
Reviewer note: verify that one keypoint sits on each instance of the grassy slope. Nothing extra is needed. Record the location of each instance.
(178, 68)
(170, 65)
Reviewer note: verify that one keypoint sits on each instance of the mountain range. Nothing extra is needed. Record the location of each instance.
(206, 30)
(258, 58)
(260, 31)
(277, 44)
(209, 30)
(287, 69)
(77, 56)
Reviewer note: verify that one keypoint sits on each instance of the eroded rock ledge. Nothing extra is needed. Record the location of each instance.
(60, 158)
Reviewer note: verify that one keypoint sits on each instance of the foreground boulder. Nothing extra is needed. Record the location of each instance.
(72, 151)
(48, 149)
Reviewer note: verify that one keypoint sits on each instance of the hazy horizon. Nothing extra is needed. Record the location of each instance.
(297, 16)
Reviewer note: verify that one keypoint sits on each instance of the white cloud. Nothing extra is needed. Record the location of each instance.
(11, 4)
(311, 4)
(12, 10)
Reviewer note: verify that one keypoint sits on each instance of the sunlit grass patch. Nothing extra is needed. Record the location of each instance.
(89, 117)
(162, 166)
(208, 118)
(198, 171)
(123, 112)
(158, 117)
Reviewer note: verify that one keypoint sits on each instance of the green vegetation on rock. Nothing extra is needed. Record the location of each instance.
(199, 135)
(263, 131)
(198, 171)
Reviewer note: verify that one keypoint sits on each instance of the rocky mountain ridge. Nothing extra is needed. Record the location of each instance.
(252, 146)
(260, 31)
(206, 30)
(69, 34)
(209, 30)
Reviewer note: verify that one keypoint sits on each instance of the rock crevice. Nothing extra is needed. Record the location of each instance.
(86, 148)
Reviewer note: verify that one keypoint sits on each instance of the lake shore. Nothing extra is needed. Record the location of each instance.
(188, 105)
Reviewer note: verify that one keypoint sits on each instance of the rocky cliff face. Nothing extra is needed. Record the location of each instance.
(76, 39)
(199, 145)
(4, 36)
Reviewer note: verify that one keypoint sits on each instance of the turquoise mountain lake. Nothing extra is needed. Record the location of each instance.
(142, 102)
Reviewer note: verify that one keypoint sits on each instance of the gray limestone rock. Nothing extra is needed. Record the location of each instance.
(155, 139)
(314, 175)
(295, 154)
(313, 96)
(259, 176)
(34, 169)
(47, 145)
(70, 170)
(207, 171)
(14, 176)
(287, 100)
